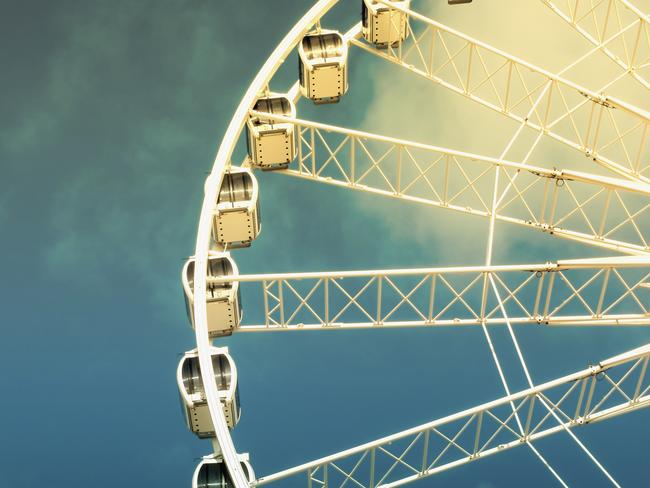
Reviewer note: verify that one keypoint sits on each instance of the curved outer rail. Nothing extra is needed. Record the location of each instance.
(223, 441)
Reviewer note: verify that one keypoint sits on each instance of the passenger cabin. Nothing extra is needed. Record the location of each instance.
(236, 220)
(382, 25)
(213, 473)
(323, 66)
(223, 299)
(193, 398)
(271, 144)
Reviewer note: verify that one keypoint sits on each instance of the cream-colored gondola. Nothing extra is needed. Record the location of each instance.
(271, 144)
(211, 472)
(223, 299)
(190, 388)
(382, 25)
(237, 218)
(323, 66)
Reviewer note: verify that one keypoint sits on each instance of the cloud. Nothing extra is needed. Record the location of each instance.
(135, 137)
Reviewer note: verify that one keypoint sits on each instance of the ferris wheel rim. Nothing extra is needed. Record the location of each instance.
(223, 441)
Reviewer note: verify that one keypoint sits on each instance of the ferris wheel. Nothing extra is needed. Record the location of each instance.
(605, 207)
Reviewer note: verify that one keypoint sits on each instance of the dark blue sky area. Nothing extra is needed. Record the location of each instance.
(111, 115)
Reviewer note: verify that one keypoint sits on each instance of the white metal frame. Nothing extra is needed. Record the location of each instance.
(573, 292)
(615, 386)
(628, 21)
(609, 274)
(589, 121)
(547, 200)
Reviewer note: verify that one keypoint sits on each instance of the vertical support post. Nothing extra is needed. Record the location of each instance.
(371, 483)
(380, 279)
(313, 150)
(265, 288)
(590, 396)
(637, 162)
(432, 298)
(529, 417)
(581, 396)
(300, 156)
(281, 302)
(603, 291)
(593, 150)
(538, 295)
(508, 81)
(484, 295)
(389, 46)
(398, 187)
(603, 33)
(574, 14)
(353, 153)
(554, 199)
(589, 124)
(603, 218)
(425, 452)
(549, 293)
(477, 436)
(469, 68)
(432, 47)
(542, 211)
(399, 34)
(326, 296)
(445, 189)
(639, 383)
(635, 49)
(544, 122)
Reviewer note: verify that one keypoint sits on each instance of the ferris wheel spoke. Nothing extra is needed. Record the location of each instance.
(506, 387)
(609, 131)
(497, 198)
(597, 22)
(595, 210)
(550, 406)
(594, 394)
(585, 292)
(500, 304)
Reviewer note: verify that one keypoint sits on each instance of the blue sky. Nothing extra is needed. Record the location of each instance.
(112, 114)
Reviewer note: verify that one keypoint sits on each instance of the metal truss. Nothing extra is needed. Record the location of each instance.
(615, 27)
(613, 387)
(595, 210)
(607, 130)
(586, 292)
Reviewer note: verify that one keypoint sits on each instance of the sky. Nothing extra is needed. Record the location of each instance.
(112, 113)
